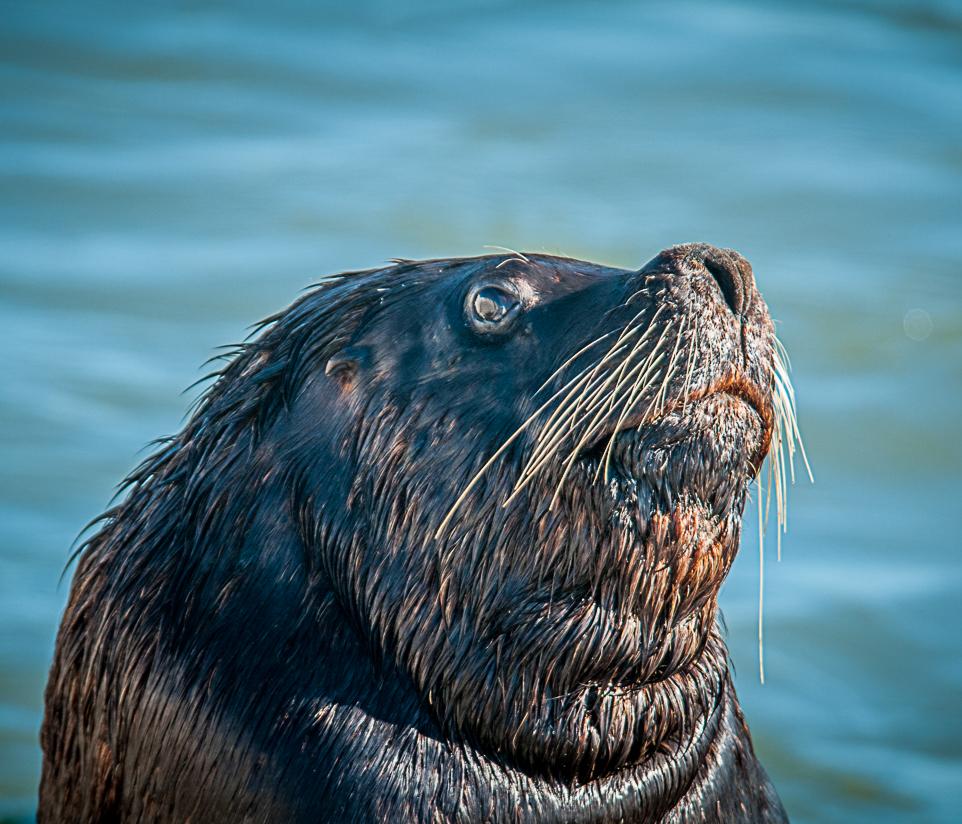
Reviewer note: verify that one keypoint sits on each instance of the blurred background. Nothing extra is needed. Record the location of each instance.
(170, 175)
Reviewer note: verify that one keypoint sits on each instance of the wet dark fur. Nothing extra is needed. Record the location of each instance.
(269, 626)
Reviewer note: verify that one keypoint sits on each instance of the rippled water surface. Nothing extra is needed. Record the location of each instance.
(170, 176)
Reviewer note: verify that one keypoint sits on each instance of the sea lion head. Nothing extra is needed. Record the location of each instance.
(524, 477)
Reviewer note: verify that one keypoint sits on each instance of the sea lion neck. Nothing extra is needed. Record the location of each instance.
(598, 730)
(646, 791)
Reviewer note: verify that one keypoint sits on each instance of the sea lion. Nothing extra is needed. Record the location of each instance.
(443, 542)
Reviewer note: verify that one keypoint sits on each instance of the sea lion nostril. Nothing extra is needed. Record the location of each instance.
(729, 282)
(728, 276)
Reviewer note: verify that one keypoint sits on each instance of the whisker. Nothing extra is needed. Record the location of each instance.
(786, 439)
(484, 468)
(574, 357)
(590, 431)
(670, 369)
(637, 391)
(642, 383)
(592, 405)
(561, 423)
(511, 251)
(567, 410)
(782, 367)
(761, 586)
(565, 417)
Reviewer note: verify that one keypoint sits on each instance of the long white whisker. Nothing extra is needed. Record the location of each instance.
(565, 417)
(589, 407)
(761, 585)
(670, 369)
(511, 251)
(576, 355)
(635, 392)
(786, 438)
(581, 394)
(640, 386)
(589, 432)
(487, 464)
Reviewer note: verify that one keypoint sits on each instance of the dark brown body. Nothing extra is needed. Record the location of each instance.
(334, 597)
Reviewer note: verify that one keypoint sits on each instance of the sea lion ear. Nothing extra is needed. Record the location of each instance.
(344, 365)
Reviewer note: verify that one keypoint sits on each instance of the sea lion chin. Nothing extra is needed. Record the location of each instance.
(443, 542)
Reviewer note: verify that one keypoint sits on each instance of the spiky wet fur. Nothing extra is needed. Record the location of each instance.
(283, 619)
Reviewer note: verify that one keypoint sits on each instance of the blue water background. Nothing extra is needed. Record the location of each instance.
(170, 174)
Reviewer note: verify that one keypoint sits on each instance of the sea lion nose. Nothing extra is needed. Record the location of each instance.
(731, 272)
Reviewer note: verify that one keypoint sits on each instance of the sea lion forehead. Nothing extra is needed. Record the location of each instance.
(539, 277)
(557, 269)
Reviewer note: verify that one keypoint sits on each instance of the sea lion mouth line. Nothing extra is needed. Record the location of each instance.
(736, 385)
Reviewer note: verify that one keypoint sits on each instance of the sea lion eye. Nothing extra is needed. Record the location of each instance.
(492, 304)
(491, 308)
